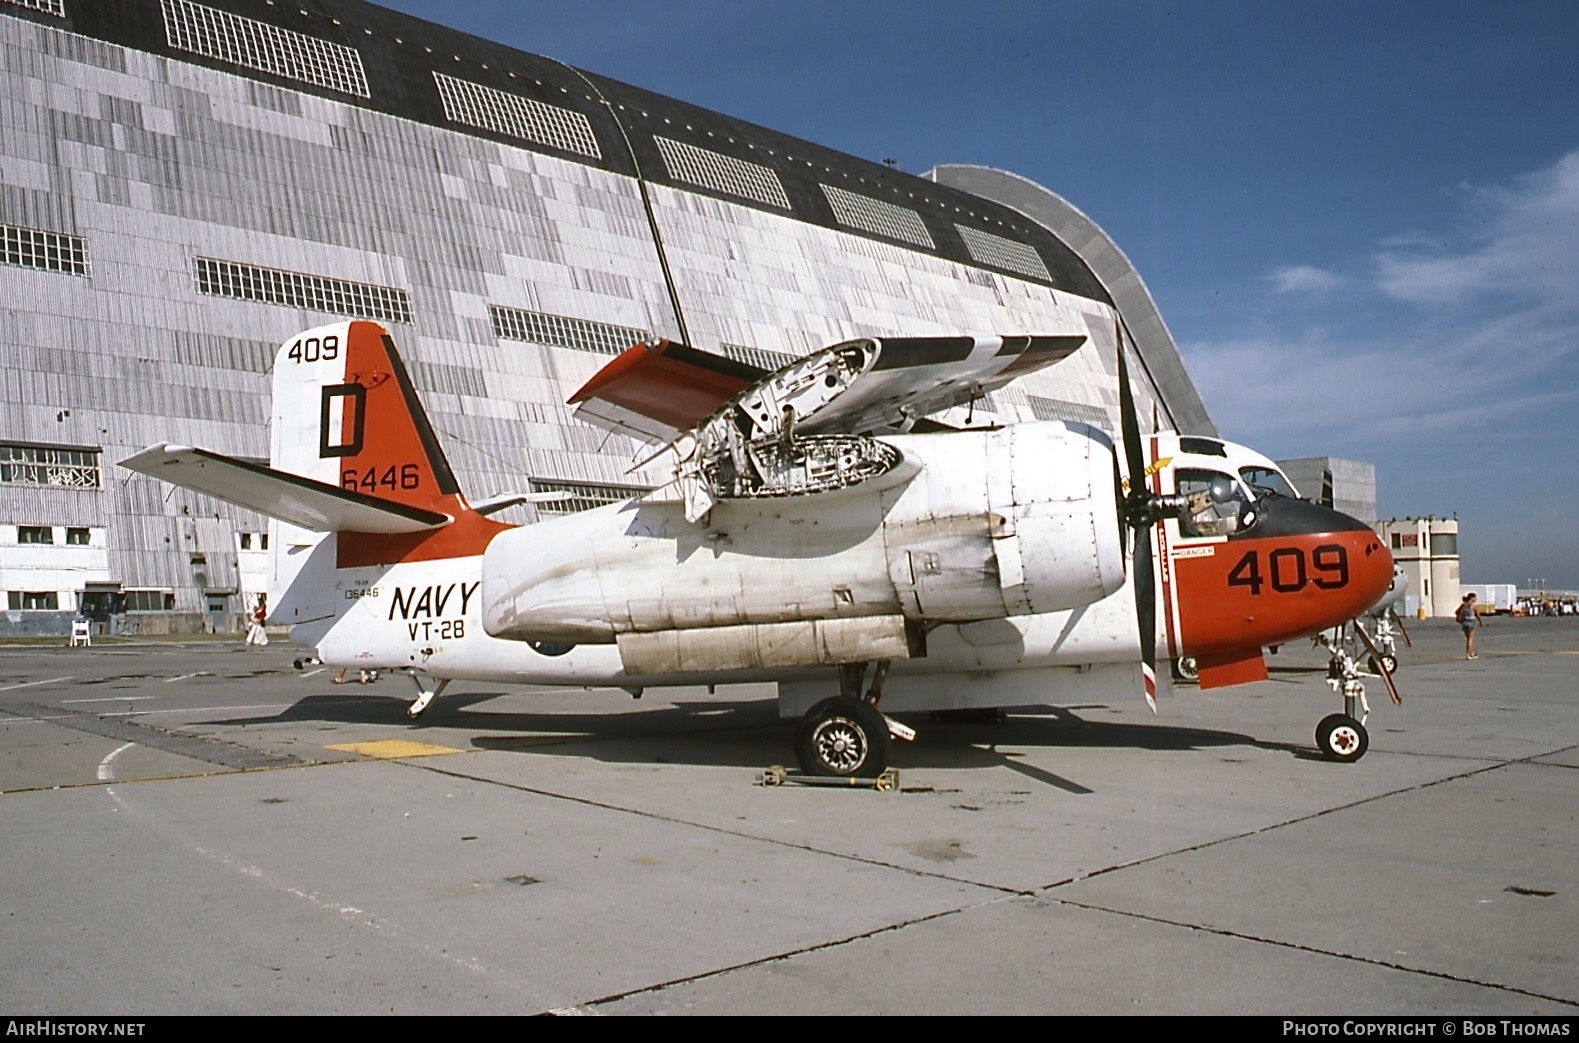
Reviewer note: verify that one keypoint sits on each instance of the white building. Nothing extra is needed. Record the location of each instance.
(1427, 548)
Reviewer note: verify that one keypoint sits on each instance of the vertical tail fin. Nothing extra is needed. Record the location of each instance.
(346, 414)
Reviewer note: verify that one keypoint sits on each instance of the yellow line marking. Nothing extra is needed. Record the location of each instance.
(393, 749)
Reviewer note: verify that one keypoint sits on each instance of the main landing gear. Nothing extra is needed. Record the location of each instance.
(846, 736)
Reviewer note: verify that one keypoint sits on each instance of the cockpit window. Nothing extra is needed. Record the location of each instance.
(1202, 446)
(1263, 481)
(1218, 504)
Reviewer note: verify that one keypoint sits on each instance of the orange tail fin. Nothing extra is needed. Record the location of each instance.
(347, 414)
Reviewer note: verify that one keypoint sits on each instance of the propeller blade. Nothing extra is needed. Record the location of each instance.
(1129, 423)
(1146, 614)
(1401, 629)
(1134, 516)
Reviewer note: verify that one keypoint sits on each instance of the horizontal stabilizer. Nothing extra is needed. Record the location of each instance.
(304, 502)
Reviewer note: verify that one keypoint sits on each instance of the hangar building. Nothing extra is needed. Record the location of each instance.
(186, 185)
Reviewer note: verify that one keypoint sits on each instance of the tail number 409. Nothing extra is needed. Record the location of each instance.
(1288, 571)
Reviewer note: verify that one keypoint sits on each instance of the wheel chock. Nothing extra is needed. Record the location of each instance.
(886, 782)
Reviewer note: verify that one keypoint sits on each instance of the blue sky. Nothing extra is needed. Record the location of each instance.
(1360, 221)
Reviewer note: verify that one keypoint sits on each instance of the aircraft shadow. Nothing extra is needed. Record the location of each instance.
(749, 734)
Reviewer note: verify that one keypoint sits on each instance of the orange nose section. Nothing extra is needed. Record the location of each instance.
(1300, 570)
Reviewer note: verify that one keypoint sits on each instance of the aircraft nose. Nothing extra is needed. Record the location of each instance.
(1347, 559)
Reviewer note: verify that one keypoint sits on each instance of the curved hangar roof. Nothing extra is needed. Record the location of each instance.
(363, 55)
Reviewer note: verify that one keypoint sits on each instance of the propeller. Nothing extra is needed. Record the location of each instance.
(1138, 511)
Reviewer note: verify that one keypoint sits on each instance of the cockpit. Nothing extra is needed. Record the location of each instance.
(1218, 504)
(1226, 486)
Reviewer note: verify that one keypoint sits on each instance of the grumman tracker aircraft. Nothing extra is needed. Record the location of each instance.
(819, 532)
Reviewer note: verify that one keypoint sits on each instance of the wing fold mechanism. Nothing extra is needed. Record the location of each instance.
(305, 502)
(808, 427)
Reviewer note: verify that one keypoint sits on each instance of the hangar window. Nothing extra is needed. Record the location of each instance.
(147, 600)
(60, 466)
(998, 252)
(762, 358)
(248, 282)
(563, 331)
(582, 496)
(33, 601)
(34, 534)
(721, 173)
(516, 117)
(879, 218)
(78, 537)
(46, 251)
(54, 7)
(1060, 409)
(213, 33)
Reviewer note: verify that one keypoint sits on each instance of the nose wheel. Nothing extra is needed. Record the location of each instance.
(1341, 738)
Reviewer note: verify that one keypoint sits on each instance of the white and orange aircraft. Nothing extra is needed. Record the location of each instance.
(819, 532)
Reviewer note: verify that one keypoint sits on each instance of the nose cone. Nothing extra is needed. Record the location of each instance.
(1293, 570)
(1350, 569)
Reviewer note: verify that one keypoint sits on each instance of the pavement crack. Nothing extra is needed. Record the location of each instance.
(1224, 932)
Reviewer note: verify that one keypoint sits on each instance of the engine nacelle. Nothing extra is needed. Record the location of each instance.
(979, 525)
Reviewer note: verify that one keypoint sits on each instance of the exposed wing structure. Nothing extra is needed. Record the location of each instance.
(311, 504)
(806, 428)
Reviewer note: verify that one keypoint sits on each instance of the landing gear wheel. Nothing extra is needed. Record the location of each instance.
(1188, 669)
(843, 738)
(1389, 662)
(1342, 738)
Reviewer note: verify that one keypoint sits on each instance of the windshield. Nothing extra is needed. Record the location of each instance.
(1264, 481)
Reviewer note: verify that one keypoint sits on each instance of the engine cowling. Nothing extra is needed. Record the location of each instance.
(980, 525)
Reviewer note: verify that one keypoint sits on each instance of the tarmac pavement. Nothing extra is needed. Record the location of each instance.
(201, 828)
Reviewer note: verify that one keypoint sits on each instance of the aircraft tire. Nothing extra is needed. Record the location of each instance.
(843, 737)
(1387, 661)
(1187, 668)
(1341, 738)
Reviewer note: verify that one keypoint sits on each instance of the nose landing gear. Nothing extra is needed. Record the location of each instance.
(1342, 736)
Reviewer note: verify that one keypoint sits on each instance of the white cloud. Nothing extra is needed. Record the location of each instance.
(1304, 278)
(1524, 244)
(1433, 338)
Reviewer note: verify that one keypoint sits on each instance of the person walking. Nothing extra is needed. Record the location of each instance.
(1468, 618)
(257, 634)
